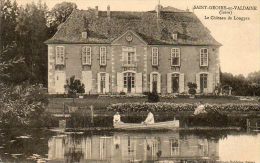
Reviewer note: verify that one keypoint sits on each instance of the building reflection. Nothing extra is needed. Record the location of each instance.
(122, 148)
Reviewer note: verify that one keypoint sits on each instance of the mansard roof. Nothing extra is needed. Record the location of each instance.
(154, 31)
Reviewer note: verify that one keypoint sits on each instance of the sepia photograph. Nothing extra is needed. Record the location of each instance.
(138, 81)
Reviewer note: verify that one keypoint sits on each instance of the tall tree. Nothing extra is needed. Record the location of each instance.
(8, 17)
(31, 32)
(59, 13)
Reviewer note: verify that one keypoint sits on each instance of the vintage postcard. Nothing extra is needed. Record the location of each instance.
(140, 81)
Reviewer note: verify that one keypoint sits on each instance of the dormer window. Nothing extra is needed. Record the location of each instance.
(174, 36)
(84, 34)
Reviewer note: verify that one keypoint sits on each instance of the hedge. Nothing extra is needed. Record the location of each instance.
(174, 107)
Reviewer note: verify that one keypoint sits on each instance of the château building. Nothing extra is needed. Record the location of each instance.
(133, 52)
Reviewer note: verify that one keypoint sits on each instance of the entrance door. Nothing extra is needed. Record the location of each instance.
(129, 81)
(175, 83)
(203, 82)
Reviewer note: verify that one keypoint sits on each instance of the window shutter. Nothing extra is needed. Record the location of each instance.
(181, 84)
(139, 83)
(159, 83)
(151, 82)
(169, 83)
(198, 82)
(63, 55)
(210, 83)
(87, 80)
(98, 83)
(107, 82)
(120, 84)
(60, 81)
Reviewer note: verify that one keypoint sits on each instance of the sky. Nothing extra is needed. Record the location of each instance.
(240, 53)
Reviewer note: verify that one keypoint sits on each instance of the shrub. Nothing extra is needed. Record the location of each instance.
(122, 93)
(175, 107)
(192, 88)
(74, 86)
(21, 105)
(153, 97)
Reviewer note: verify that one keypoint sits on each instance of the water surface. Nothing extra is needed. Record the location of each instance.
(123, 147)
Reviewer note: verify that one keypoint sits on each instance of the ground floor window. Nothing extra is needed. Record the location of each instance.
(154, 82)
(203, 82)
(102, 82)
(129, 81)
(175, 83)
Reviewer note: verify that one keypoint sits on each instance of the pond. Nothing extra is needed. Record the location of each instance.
(42, 145)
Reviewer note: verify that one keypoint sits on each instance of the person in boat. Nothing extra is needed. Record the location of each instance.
(149, 119)
(200, 109)
(117, 118)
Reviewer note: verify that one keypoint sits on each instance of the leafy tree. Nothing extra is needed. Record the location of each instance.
(31, 32)
(74, 86)
(59, 13)
(8, 17)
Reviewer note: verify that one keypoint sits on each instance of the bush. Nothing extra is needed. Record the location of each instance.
(21, 105)
(153, 97)
(192, 88)
(175, 107)
(74, 86)
(122, 93)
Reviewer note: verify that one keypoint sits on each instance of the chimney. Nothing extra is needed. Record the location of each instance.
(108, 12)
(96, 11)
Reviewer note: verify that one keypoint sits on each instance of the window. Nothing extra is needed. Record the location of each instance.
(130, 57)
(103, 56)
(175, 57)
(60, 55)
(102, 82)
(129, 80)
(204, 57)
(86, 55)
(175, 36)
(174, 145)
(154, 56)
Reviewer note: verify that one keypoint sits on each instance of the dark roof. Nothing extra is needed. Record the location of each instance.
(102, 30)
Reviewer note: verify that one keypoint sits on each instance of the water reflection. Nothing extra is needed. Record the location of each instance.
(135, 147)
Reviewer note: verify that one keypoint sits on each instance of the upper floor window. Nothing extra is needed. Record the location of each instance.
(175, 56)
(103, 56)
(130, 57)
(204, 57)
(86, 55)
(154, 56)
(60, 55)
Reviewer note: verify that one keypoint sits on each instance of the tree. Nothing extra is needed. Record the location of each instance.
(74, 86)
(8, 17)
(31, 30)
(58, 15)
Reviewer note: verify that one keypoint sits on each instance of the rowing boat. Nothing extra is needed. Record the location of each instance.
(169, 125)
